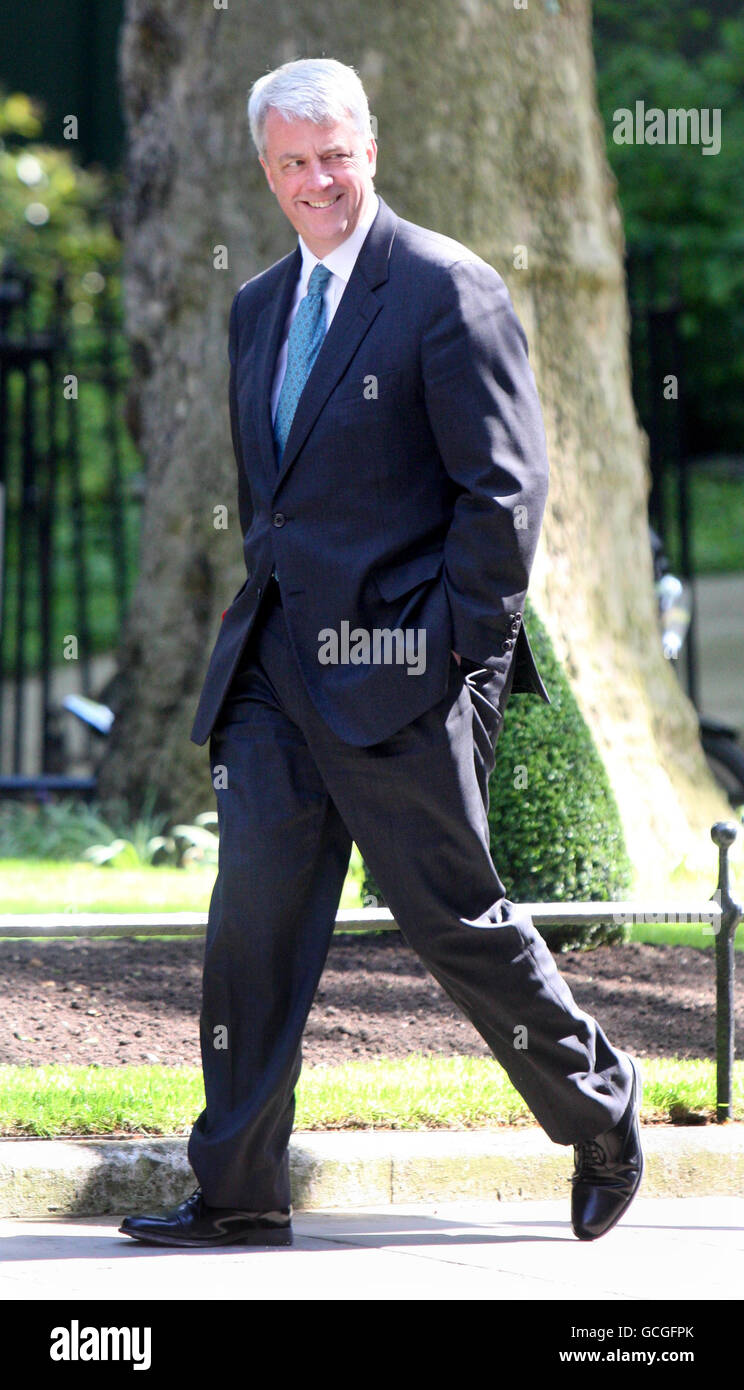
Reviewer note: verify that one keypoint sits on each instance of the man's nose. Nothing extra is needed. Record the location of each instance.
(318, 177)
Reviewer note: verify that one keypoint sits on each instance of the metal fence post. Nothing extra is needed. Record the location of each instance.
(723, 834)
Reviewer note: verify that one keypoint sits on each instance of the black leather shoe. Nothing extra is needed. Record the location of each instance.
(608, 1172)
(194, 1223)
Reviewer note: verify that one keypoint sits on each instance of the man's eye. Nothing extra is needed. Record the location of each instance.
(297, 163)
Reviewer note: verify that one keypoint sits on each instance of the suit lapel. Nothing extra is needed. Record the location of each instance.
(357, 309)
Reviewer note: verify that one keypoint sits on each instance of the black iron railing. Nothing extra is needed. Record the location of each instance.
(69, 489)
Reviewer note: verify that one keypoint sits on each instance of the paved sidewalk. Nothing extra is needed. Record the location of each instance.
(663, 1249)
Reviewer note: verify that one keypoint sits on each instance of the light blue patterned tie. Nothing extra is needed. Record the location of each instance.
(303, 345)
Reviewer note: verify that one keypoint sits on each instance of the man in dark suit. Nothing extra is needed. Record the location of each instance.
(392, 477)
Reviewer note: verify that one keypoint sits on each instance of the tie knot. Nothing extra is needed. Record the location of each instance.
(318, 279)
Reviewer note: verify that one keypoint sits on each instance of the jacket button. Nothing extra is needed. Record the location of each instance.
(509, 642)
(279, 518)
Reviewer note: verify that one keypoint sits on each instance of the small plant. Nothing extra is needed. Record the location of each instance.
(141, 847)
(71, 830)
(50, 830)
(202, 846)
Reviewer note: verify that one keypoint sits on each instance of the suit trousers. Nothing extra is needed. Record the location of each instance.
(291, 798)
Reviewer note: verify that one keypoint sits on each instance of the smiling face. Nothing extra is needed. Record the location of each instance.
(321, 176)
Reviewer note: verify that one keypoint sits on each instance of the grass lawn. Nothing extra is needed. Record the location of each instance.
(46, 885)
(411, 1093)
(696, 934)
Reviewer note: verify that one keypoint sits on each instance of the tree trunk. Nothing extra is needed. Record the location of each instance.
(487, 131)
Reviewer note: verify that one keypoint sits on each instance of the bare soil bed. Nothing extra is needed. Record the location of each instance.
(123, 1001)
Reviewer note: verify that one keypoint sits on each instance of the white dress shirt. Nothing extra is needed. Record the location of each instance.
(340, 262)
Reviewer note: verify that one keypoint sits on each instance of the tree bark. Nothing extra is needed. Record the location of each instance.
(488, 131)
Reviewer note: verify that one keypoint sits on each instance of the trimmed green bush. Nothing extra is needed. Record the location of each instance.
(556, 834)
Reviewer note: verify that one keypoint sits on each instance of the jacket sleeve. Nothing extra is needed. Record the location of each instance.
(245, 503)
(484, 411)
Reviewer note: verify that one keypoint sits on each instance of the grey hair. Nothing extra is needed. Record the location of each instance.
(310, 89)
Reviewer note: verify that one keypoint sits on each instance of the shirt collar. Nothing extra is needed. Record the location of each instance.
(342, 259)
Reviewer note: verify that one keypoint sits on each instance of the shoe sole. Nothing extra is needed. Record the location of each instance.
(638, 1095)
(265, 1237)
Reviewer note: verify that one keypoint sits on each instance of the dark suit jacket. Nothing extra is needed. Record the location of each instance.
(412, 485)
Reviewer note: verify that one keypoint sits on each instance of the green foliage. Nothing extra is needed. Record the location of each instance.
(670, 57)
(53, 213)
(559, 837)
(68, 829)
(51, 830)
(687, 56)
(145, 843)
